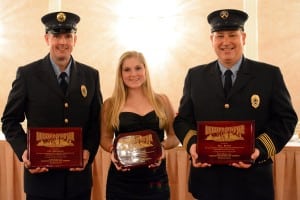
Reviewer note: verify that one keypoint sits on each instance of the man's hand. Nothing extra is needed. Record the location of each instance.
(85, 156)
(27, 165)
(194, 157)
(243, 165)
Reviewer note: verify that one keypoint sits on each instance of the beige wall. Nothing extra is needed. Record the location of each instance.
(21, 40)
(279, 41)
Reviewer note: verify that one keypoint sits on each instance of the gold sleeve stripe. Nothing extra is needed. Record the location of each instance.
(266, 140)
(187, 137)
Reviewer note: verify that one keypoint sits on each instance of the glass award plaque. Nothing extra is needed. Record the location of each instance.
(55, 147)
(225, 142)
(135, 149)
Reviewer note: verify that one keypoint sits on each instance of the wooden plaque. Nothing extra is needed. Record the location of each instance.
(225, 142)
(136, 149)
(55, 147)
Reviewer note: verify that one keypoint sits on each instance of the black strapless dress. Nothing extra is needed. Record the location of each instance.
(139, 183)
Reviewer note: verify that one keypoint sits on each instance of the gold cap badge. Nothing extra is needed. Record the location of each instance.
(83, 91)
(255, 101)
(224, 14)
(61, 17)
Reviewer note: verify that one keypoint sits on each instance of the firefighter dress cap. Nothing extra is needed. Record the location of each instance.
(60, 22)
(227, 19)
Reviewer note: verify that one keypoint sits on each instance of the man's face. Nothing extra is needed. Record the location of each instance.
(61, 45)
(228, 46)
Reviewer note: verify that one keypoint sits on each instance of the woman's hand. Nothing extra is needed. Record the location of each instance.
(116, 163)
(159, 161)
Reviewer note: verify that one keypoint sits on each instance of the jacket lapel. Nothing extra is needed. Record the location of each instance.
(243, 77)
(214, 79)
(75, 78)
(47, 75)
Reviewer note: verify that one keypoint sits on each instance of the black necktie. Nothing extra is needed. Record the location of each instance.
(63, 83)
(228, 82)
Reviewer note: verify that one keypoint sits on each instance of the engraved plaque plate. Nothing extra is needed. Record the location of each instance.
(137, 149)
(55, 147)
(225, 142)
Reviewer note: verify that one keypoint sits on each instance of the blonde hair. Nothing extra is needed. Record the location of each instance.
(119, 95)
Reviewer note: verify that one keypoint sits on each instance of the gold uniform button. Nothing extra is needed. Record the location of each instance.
(66, 105)
(226, 105)
(66, 121)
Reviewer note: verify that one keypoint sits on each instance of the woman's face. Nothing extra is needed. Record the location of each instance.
(133, 73)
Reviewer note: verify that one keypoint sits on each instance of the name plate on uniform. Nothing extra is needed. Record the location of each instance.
(135, 149)
(225, 142)
(55, 147)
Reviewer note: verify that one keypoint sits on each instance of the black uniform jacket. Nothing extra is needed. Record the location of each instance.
(37, 97)
(259, 93)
